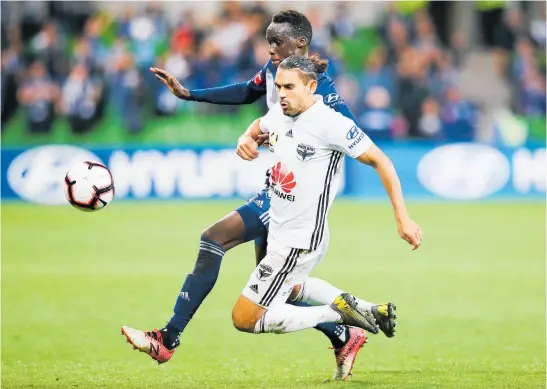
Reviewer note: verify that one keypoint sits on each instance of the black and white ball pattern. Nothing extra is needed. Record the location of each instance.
(89, 186)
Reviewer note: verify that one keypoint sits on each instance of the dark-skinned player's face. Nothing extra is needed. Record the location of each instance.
(284, 42)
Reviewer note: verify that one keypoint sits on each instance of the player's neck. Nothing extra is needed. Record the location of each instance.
(308, 104)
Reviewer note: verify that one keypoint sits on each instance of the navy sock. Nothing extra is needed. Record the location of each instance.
(195, 289)
(337, 333)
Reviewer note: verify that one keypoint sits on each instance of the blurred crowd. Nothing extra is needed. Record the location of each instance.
(84, 68)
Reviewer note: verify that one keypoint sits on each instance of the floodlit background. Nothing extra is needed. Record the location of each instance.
(454, 92)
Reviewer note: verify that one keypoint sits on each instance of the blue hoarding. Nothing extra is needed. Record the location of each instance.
(460, 171)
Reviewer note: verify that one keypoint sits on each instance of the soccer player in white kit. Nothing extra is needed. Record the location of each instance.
(309, 141)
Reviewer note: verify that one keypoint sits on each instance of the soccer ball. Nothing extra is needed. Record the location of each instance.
(89, 186)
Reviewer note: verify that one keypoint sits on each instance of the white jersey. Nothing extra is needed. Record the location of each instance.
(308, 150)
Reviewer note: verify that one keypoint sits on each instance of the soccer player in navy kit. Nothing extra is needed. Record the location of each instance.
(290, 33)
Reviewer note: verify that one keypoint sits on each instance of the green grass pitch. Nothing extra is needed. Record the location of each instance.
(471, 300)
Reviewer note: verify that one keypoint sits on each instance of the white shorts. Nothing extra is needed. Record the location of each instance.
(281, 270)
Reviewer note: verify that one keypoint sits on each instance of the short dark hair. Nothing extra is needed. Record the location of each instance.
(298, 21)
(309, 66)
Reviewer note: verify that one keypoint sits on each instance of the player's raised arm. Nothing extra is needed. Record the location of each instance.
(407, 228)
(235, 94)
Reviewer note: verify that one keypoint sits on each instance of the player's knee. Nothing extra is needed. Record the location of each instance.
(215, 235)
(209, 234)
(242, 321)
(225, 233)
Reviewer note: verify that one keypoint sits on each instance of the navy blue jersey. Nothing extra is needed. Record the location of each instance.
(263, 84)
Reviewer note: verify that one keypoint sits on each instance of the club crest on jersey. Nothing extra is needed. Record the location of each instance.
(257, 80)
(283, 181)
(304, 151)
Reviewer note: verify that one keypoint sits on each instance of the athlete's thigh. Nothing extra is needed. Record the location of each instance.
(261, 247)
(248, 222)
(281, 269)
(299, 264)
(255, 214)
(268, 280)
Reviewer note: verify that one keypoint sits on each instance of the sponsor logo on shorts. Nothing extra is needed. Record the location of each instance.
(254, 288)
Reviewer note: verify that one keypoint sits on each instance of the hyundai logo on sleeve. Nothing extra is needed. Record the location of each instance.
(353, 133)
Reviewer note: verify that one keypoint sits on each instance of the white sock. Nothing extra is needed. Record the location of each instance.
(319, 292)
(283, 318)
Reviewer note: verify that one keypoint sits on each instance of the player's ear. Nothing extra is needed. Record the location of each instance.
(312, 86)
(301, 42)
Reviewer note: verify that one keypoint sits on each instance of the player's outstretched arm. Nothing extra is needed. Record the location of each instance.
(234, 94)
(171, 83)
(248, 143)
(407, 228)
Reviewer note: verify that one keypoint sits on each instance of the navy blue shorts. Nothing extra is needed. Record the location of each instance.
(256, 216)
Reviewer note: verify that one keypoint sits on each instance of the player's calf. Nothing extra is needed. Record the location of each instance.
(215, 240)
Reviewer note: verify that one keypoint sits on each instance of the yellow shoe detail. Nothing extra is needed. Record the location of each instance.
(382, 309)
(340, 303)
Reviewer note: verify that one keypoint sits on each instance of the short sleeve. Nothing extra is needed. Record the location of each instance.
(347, 137)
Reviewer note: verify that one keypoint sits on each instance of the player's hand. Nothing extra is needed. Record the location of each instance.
(410, 231)
(246, 148)
(171, 82)
(263, 140)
